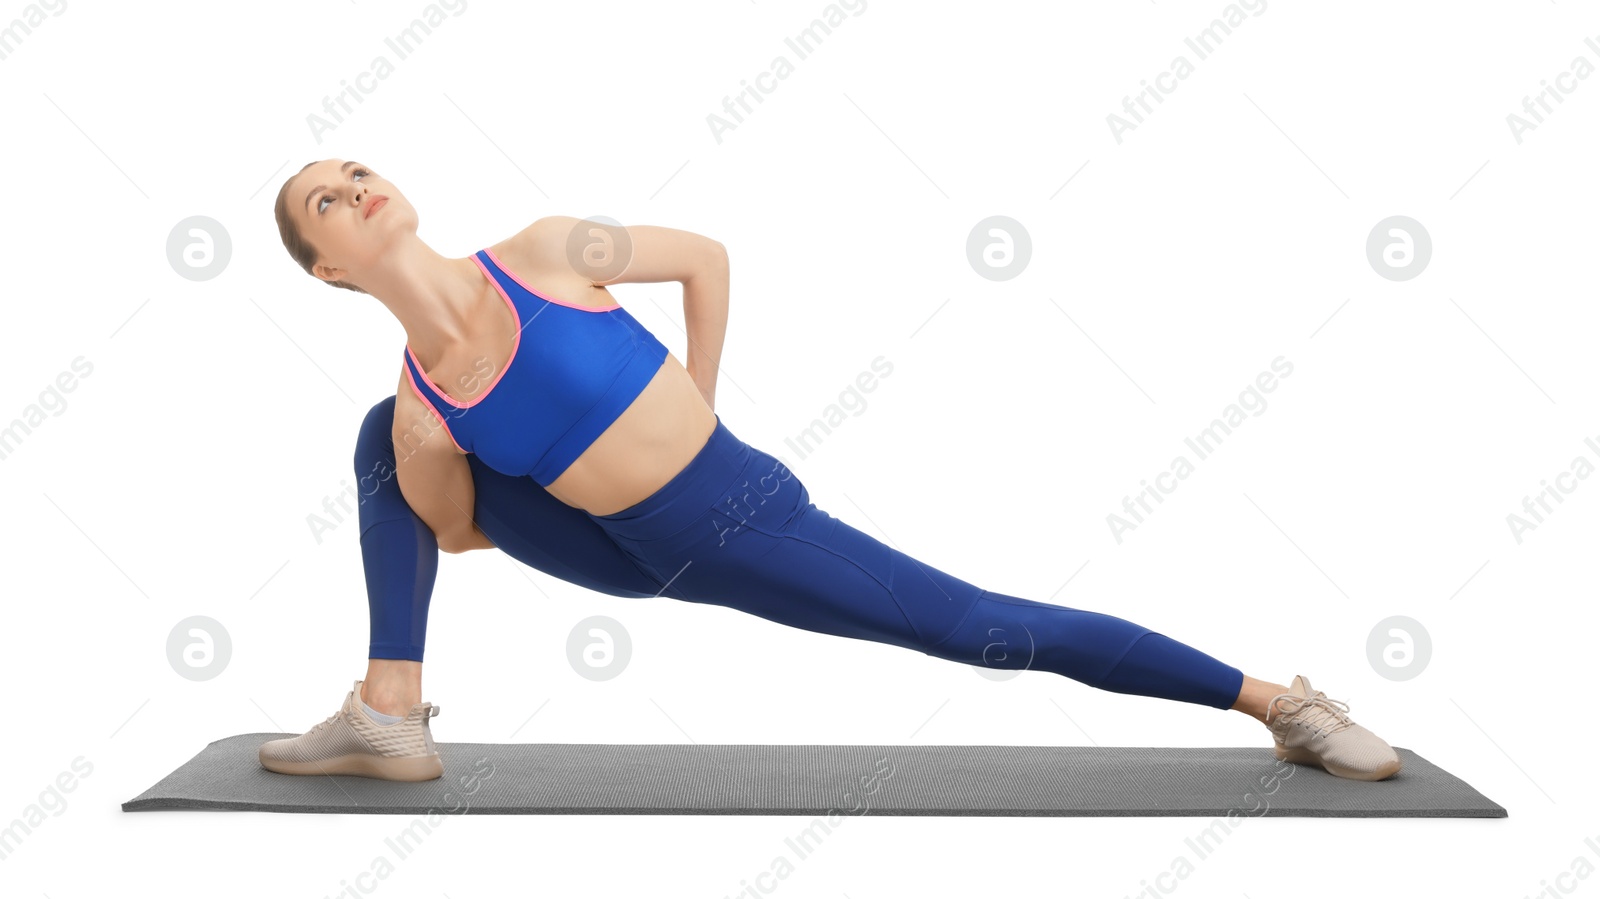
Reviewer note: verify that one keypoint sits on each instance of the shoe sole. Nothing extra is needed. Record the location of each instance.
(409, 769)
(1306, 757)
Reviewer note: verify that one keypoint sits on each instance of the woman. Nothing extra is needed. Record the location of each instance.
(533, 414)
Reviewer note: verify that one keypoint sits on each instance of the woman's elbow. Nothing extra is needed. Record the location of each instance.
(715, 264)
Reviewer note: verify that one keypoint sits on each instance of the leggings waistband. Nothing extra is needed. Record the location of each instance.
(684, 499)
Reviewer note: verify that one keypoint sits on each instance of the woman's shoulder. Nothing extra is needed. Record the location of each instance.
(547, 255)
(543, 245)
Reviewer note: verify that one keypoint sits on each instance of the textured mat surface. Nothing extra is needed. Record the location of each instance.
(692, 779)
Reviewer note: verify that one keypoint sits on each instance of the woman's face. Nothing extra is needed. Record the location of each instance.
(349, 213)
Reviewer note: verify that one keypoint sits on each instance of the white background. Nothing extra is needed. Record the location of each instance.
(1167, 271)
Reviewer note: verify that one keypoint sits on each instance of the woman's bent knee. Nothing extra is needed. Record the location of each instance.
(375, 439)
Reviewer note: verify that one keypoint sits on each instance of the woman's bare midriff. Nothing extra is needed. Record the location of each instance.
(652, 440)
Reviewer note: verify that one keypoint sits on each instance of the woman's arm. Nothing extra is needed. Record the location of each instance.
(606, 254)
(434, 478)
(705, 312)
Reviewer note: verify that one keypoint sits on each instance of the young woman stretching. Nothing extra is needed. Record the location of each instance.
(535, 415)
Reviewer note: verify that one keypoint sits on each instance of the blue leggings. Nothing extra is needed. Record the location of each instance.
(737, 528)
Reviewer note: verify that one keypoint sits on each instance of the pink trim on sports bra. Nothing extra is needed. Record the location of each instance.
(516, 344)
(418, 391)
(524, 286)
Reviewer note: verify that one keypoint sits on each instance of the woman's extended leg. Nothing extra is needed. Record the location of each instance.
(738, 529)
(401, 556)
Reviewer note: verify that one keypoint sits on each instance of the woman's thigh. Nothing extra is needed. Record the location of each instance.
(778, 556)
(533, 527)
(517, 514)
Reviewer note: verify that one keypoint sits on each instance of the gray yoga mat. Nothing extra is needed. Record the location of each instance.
(695, 779)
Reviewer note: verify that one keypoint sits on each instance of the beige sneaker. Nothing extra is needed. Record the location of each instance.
(1308, 728)
(350, 742)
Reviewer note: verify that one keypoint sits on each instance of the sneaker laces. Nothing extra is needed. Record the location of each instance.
(324, 723)
(1329, 715)
(328, 720)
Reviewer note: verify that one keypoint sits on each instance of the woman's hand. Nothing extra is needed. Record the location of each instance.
(648, 253)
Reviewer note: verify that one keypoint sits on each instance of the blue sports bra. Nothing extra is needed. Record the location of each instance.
(568, 378)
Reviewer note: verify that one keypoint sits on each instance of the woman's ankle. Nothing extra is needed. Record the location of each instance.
(1255, 697)
(392, 686)
(389, 703)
